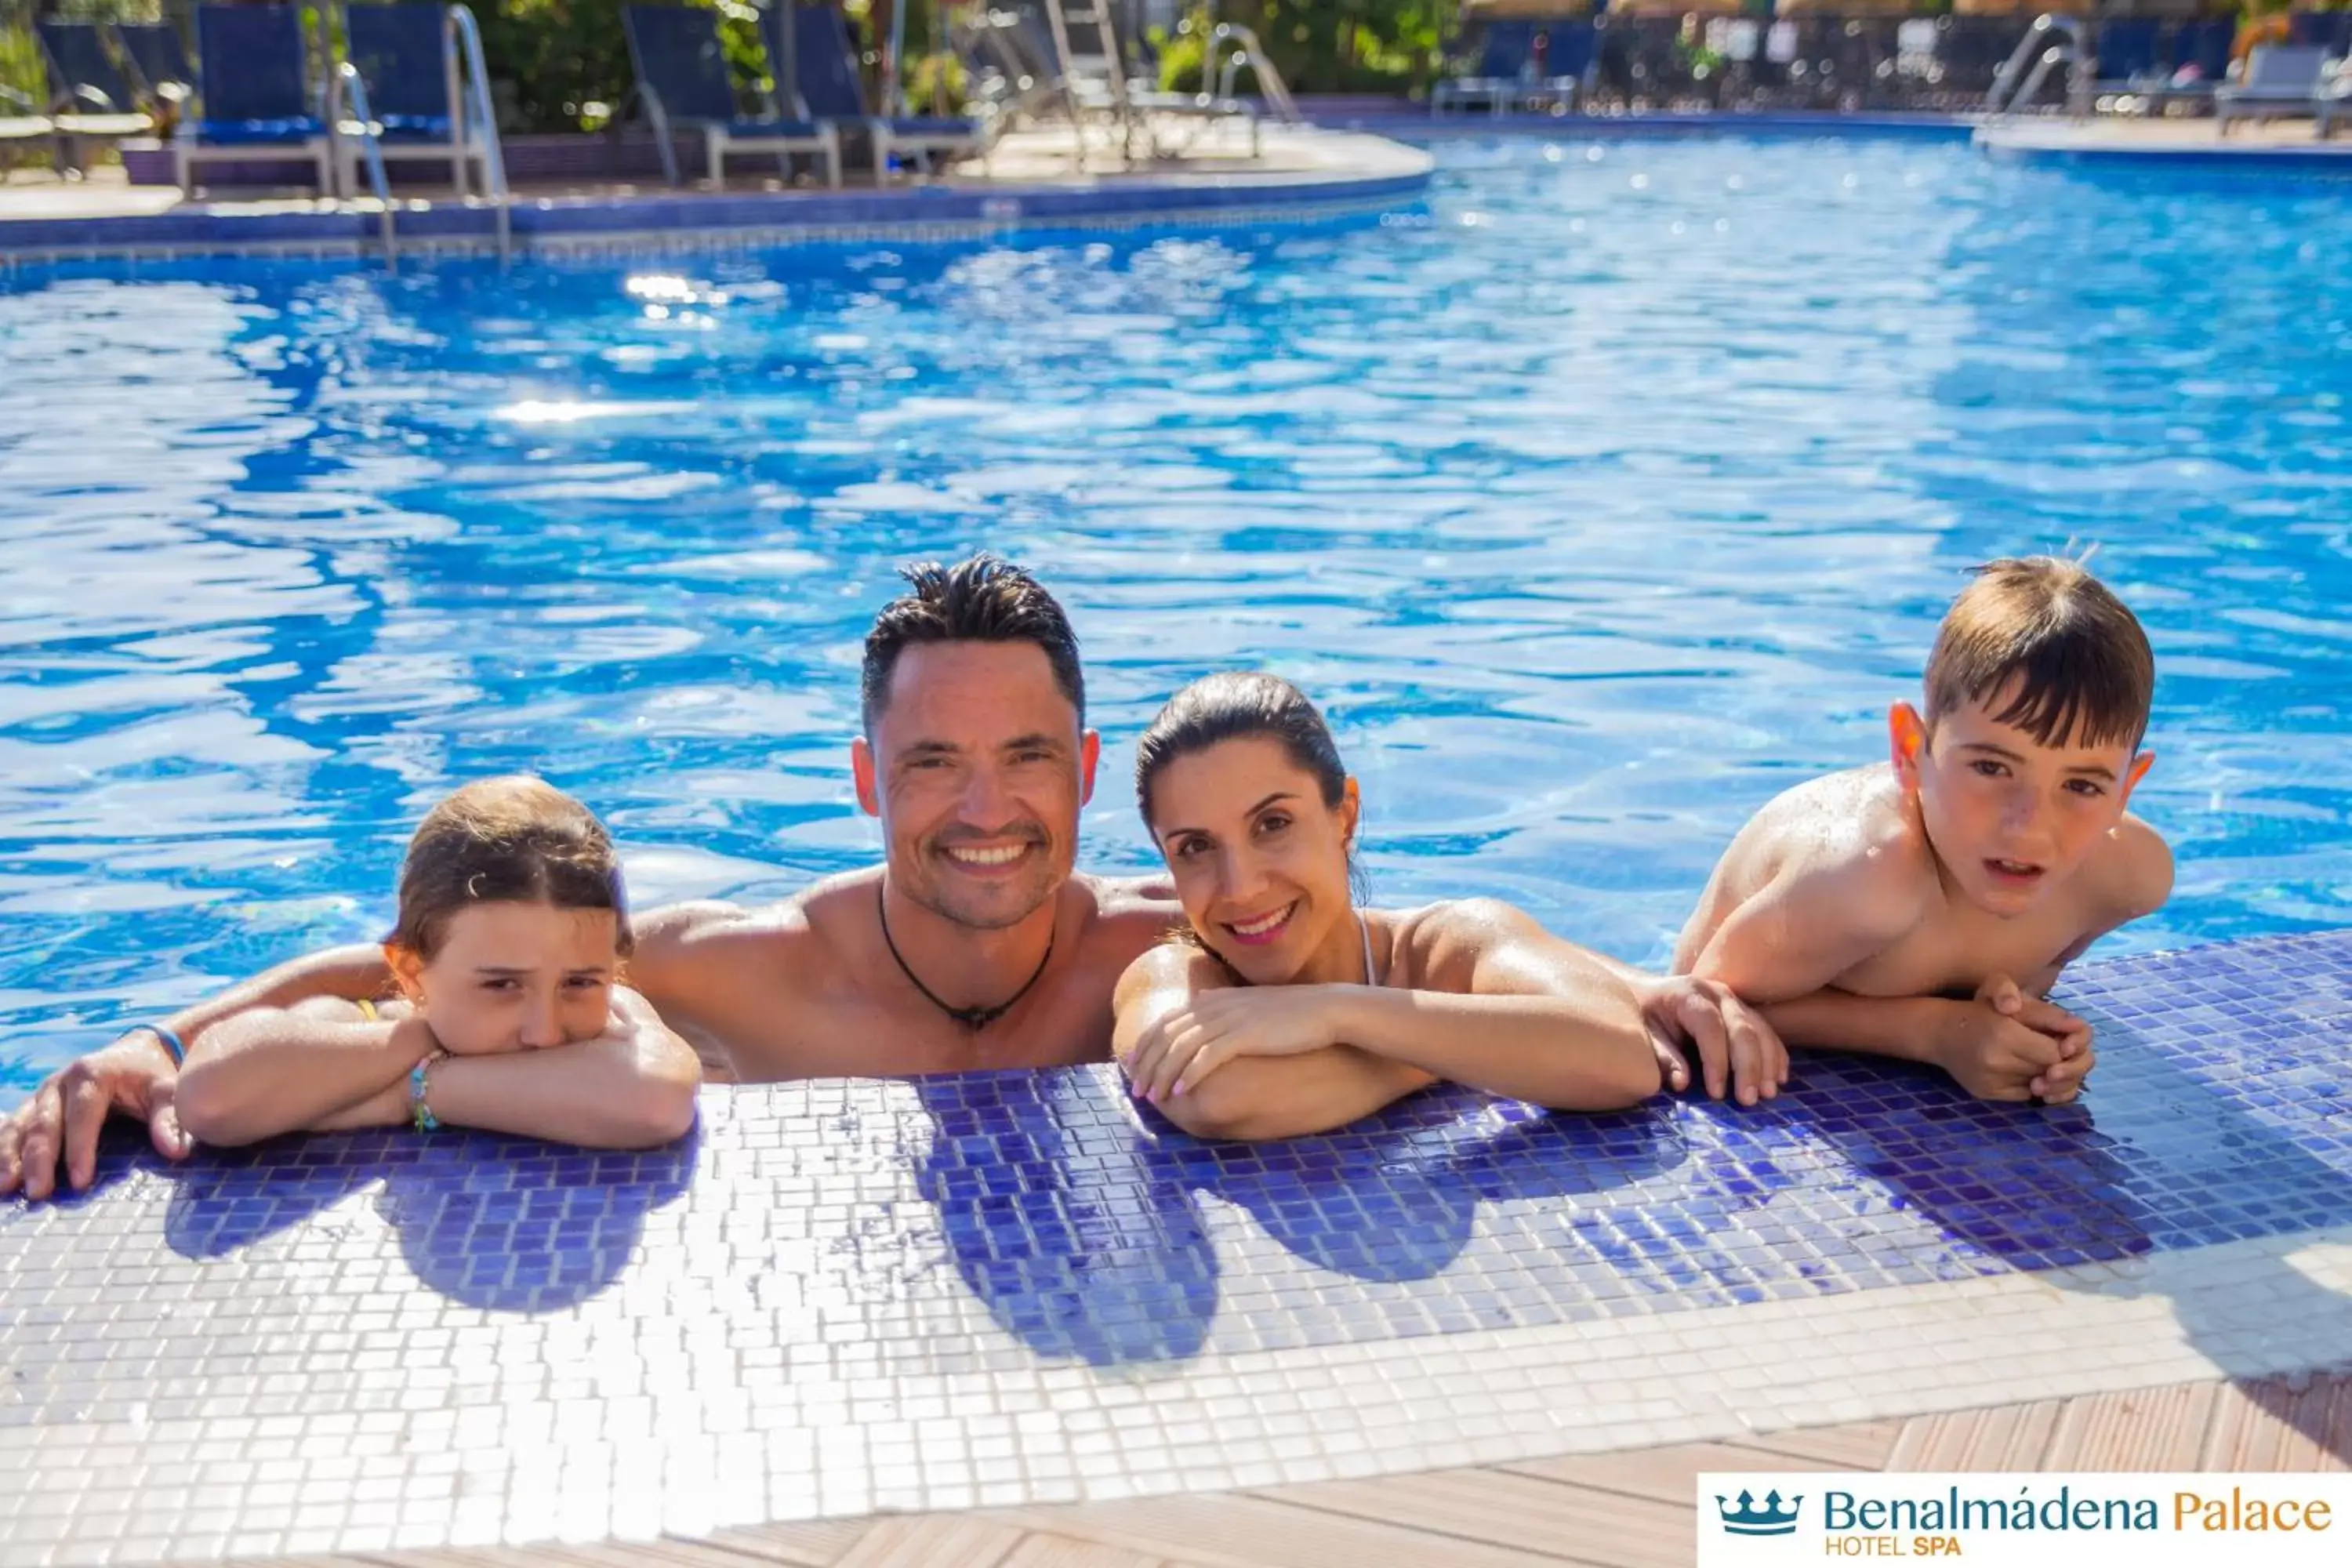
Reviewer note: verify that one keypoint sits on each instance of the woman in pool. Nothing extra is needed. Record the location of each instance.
(510, 1015)
(1293, 1010)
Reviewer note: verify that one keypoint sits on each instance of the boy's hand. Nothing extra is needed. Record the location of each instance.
(1739, 1052)
(2064, 1082)
(2004, 1045)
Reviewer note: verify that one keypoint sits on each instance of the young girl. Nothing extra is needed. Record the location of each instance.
(510, 1015)
(1294, 1010)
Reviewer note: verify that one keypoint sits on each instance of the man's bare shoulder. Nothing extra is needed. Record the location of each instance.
(1123, 915)
(711, 938)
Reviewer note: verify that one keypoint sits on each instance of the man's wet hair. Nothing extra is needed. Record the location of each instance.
(2083, 670)
(984, 598)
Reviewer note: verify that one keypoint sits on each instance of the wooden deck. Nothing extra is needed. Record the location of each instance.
(1628, 1510)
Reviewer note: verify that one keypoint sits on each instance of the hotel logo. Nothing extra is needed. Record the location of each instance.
(1772, 1518)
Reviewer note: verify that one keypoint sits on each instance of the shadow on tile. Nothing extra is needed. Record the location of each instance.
(504, 1224)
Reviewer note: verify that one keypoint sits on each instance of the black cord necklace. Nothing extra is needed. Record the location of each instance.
(973, 1018)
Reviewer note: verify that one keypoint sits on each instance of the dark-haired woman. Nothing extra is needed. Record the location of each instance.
(1294, 1010)
(510, 1015)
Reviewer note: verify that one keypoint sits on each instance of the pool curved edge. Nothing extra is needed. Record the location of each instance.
(1317, 174)
(2189, 147)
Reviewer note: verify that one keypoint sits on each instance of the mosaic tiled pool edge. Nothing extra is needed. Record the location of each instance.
(844, 1297)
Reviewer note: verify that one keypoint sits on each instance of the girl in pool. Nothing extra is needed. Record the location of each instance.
(1293, 1010)
(510, 1015)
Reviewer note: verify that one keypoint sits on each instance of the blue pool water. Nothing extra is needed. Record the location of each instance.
(1602, 501)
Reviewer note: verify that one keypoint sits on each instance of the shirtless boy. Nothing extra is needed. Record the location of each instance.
(1923, 907)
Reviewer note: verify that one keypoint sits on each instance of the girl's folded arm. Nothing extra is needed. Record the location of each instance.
(630, 1088)
(288, 1069)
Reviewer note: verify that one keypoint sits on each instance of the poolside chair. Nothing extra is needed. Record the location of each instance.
(89, 99)
(809, 43)
(1571, 52)
(2126, 54)
(1505, 57)
(256, 97)
(160, 60)
(682, 76)
(2282, 80)
(405, 56)
(20, 128)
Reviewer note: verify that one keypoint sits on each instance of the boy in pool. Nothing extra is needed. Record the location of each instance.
(1923, 907)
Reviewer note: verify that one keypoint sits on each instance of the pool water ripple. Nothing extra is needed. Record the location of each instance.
(1614, 491)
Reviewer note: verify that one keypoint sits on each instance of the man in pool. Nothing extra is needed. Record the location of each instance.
(1924, 908)
(975, 945)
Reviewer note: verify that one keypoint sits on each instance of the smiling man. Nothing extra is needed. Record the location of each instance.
(974, 945)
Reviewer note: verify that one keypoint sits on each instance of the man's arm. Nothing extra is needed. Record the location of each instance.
(135, 1075)
(1253, 1097)
(680, 966)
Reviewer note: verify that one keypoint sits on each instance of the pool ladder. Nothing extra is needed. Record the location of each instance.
(477, 126)
(2034, 58)
(1232, 47)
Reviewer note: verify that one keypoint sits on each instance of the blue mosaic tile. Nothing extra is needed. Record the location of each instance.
(856, 1262)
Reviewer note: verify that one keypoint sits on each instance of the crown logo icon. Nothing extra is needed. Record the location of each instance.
(1772, 1518)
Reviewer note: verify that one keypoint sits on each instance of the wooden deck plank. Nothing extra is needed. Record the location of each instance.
(931, 1540)
(2145, 1429)
(2001, 1437)
(1663, 1475)
(2270, 1425)
(817, 1543)
(1043, 1549)
(1864, 1446)
(1526, 1513)
(1240, 1530)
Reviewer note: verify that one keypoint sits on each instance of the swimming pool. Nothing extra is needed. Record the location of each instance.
(1611, 494)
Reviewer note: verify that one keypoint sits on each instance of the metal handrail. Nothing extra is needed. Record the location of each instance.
(480, 119)
(1247, 51)
(2007, 95)
(347, 81)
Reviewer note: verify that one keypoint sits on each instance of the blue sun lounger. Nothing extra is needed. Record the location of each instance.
(405, 56)
(20, 127)
(682, 76)
(90, 97)
(155, 52)
(1504, 57)
(2282, 80)
(815, 54)
(256, 97)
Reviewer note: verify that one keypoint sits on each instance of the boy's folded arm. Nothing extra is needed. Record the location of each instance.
(631, 1087)
(1807, 927)
(1908, 1028)
(306, 1067)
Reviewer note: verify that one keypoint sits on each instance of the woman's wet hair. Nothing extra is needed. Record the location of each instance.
(516, 839)
(1250, 706)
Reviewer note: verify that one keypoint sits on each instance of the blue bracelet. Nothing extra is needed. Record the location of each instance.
(171, 1042)
(421, 1114)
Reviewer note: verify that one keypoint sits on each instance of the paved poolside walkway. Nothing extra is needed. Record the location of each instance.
(1627, 1509)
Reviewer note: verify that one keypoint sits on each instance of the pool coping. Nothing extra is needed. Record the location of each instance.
(1347, 175)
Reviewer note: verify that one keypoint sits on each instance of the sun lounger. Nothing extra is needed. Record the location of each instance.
(2126, 55)
(815, 53)
(160, 60)
(2282, 80)
(682, 76)
(21, 127)
(90, 97)
(256, 98)
(1505, 55)
(405, 56)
